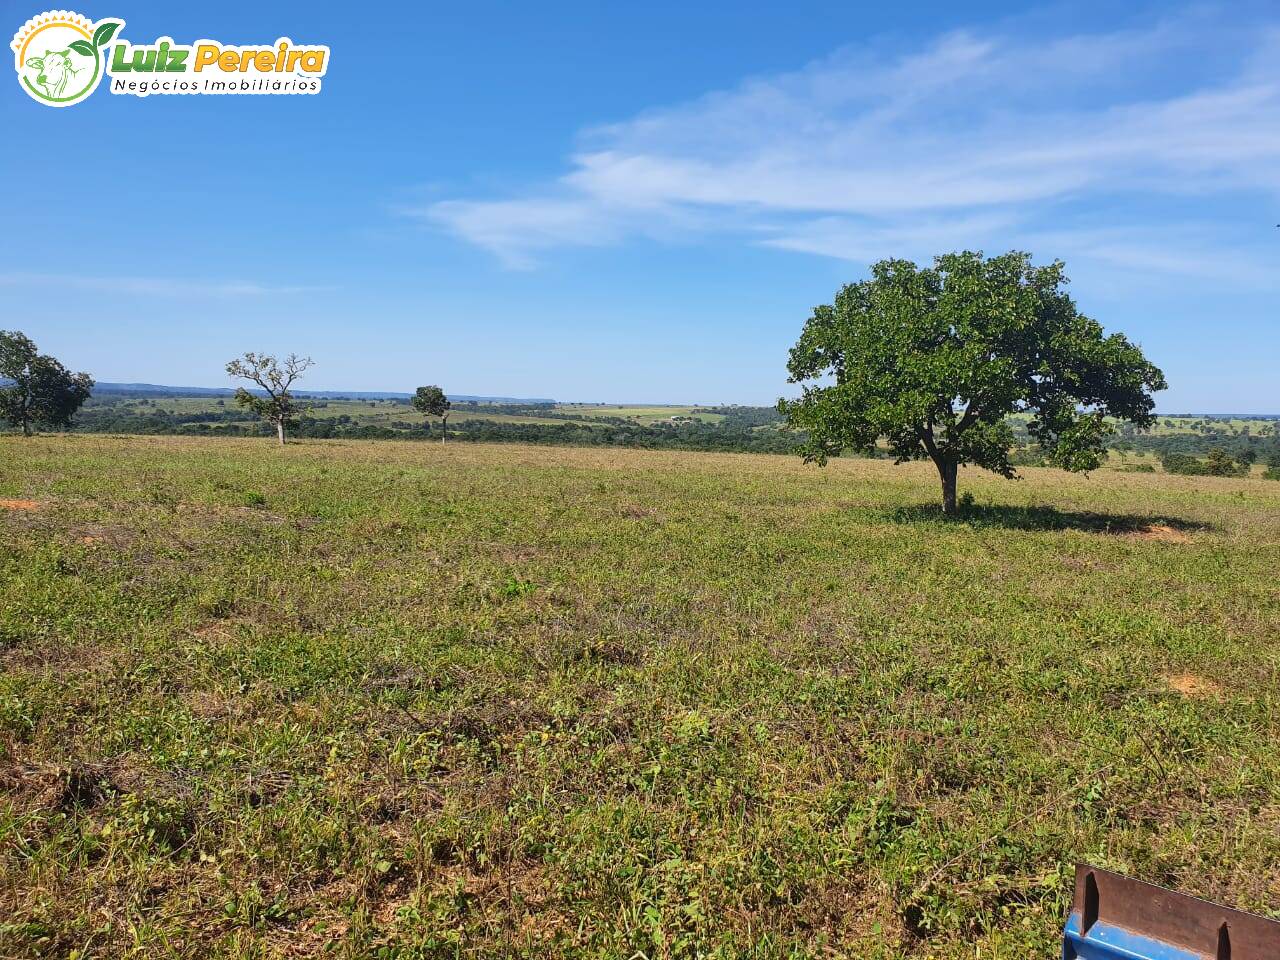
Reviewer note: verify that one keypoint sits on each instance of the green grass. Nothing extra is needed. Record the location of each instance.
(645, 415)
(403, 700)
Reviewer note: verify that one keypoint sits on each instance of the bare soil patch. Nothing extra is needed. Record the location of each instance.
(1161, 532)
(1190, 685)
(19, 505)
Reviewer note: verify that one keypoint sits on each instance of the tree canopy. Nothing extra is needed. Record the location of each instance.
(432, 402)
(934, 360)
(39, 389)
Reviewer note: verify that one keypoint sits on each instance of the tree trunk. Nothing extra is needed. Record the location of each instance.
(947, 470)
(444, 428)
(26, 427)
(280, 431)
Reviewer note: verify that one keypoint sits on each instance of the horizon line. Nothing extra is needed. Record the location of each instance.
(336, 393)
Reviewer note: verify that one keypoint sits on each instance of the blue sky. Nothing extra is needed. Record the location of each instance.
(627, 202)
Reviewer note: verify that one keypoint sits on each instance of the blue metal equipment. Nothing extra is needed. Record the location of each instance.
(1116, 918)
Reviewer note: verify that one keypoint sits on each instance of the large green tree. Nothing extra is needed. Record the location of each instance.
(275, 403)
(935, 359)
(37, 389)
(432, 402)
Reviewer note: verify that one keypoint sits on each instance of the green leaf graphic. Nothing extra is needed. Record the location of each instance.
(104, 33)
(82, 47)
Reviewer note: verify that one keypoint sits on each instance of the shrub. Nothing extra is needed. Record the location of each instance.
(1220, 464)
(1184, 464)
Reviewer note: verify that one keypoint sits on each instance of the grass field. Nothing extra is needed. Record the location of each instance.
(403, 700)
(640, 414)
(1203, 425)
(1230, 426)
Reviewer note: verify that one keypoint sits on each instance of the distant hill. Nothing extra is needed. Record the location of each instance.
(162, 390)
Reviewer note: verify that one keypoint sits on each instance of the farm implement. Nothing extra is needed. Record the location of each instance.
(1117, 918)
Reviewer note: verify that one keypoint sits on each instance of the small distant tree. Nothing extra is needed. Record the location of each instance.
(39, 390)
(278, 406)
(432, 402)
(935, 360)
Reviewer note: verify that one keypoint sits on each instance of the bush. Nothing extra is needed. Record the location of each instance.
(1220, 464)
(1029, 456)
(1183, 464)
(1271, 473)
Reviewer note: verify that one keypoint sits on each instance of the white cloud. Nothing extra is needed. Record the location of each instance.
(153, 286)
(513, 229)
(973, 140)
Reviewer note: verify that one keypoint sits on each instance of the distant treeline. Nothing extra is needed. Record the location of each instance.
(1242, 445)
(735, 432)
(740, 429)
(1257, 441)
(710, 437)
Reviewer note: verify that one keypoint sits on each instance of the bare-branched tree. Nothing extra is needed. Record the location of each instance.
(277, 407)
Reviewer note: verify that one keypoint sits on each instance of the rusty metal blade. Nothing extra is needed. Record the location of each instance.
(1117, 917)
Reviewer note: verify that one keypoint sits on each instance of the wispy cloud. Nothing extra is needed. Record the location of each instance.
(154, 286)
(971, 140)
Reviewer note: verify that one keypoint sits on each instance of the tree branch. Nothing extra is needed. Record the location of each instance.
(926, 438)
(971, 413)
